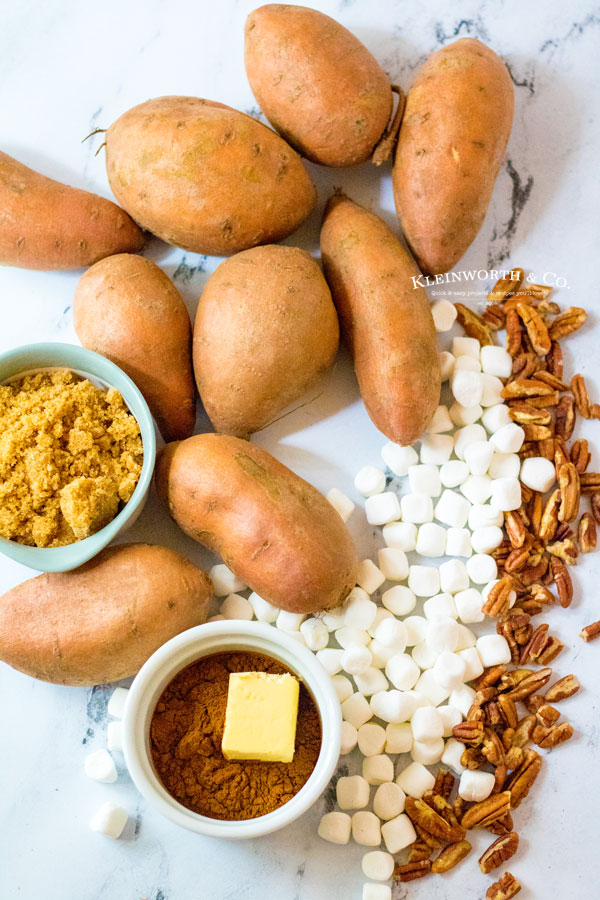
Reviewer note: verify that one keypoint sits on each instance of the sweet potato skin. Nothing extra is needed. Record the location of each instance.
(452, 141)
(385, 319)
(317, 84)
(48, 225)
(129, 310)
(102, 621)
(206, 177)
(272, 528)
(266, 330)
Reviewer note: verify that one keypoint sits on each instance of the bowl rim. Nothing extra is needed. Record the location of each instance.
(94, 365)
(182, 650)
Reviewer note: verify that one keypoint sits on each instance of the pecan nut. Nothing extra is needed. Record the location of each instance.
(432, 822)
(562, 689)
(565, 418)
(526, 387)
(469, 732)
(590, 482)
(553, 736)
(580, 455)
(532, 683)
(586, 534)
(494, 316)
(568, 322)
(412, 870)
(473, 325)
(562, 580)
(521, 780)
(554, 359)
(590, 632)
(505, 888)
(450, 857)
(582, 400)
(536, 328)
(499, 852)
(569, 486)
(506, 287)
(487, 811)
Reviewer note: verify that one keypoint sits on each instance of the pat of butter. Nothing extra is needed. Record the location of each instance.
(261, 715)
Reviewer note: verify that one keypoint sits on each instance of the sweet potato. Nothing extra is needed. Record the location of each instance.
(127, 309)
(452, 141)
(316, 83)
(48, 225)
(265, 332)
(272, 528)
(206, 177)
(385, 319)
(102, 621)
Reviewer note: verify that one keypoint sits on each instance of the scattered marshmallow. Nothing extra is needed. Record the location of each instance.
(342, 686)
(426, 724)
(475, 786)
(450, 717)
(332, 618)
(467, 364)
(263, 610)
(478, 457)
(424, 581)
(466, 346)
(432, 690)
(466, 436)
(402, 535)
(382, 508)
(423, 655)
(110, 820)
(440, 605)
(506, 494)
(468, 605)
(453, 473)
(357, 710)
(431, 540)
(444, 315)
(379, 866)
(417, 508)
(331, 659)
(415, 780)
(477, 488)
(427, 752)
(482, 515)
(495, 417)
(392, 706)
(416, 629)
(402, 671)
(398, 833)
(504, 465)
(370, 481)
(380, 615)
(359, 610)
(452, 753)
(315, 634)
(425, 479)
(398, 738)
(465, 415)
(449, 670)
(393, 563)
(380, 654)
(458, 542)
(493, 650)
(446, 364)
(473, 664)
(391, 633)
(452, 509)
(335, 827)
(352, 792)
(235, 606)
(117, 701)
(366, 828)
(496, 361)
(356, 659)
(538, 473)
(440, 421)
(378, 769)
(462, 698)
(453, 576)
(388, 801)
(466, 638)
(114, 737)
(466, 387)
(349, 738)
(100, 766)
(342, 504)
(371, 739)
(442, 633)
(508, 439)
(492, 390)
(398, 458)
(486, 539)
(482, 568)
(224, 581)
(369, 577)
(376, 891)
(436, 448)
(399, 600)
(371, 681)
(289, 621)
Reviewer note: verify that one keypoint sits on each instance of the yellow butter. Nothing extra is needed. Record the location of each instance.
(261, 716)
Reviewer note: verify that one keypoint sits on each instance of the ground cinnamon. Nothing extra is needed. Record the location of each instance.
(185, 743)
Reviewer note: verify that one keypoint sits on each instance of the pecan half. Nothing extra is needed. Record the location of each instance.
(431, 821)
(509, 710)
(505, 888)
(487, 811)
(580, 455)
(494, 316)
(499, 852)
(473, 325)
(444, 782)
(590, 632)
(526, 387)
(536, 328)
(419, 851)
(595, 505)
(532, 683)
(521, 780)
(505, 287)
(523, 732)
(590, 482)
(470, 733)
(499, 596)
(562, 580)
(526, 414)
(565, 550)
(580, 394)
(554, 360)
(569, 487)
(568, 322)
(513, 333)
(450, 857)
(515, 529)
(501, 826)
(562, 689)
(553, 736)
(586, 534)
(553, 380)
(412, 870)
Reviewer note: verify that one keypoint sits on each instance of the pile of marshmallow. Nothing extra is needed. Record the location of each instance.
(99, 765)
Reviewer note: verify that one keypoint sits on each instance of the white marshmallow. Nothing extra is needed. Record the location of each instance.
(506, 494)
(371, 739)
(415, 780)
(380, 654)
(496, 361)
(449, 670)
(391, 633)
(482, 568)
(446, 364)
(495, 417)
(114, 736)
(356, 659)
(466, 387)
(399, 600)
(431, 540)
(352, 792)
(224, 581)
(454, 473)
(436, 448)
(335, 827)
(424, 581)
(472, 661)
(462, 698)
(444, 315)
(376, 891)
(538, 473)
(427, 752)
(357, 710)
(508, 439)
(425, 479)
(331, 659)
(398, 738)
(416, 629)
(477, 488)
(493, 650)
(466, 436)
(380, 615)
(468, 605)
(366, 828)
(117, 701)
(349, 738)
(378, 769)
(467, 364)
(450, 717)
(452, 753)
(458, 542)
(417, 508)
(369, 577)
(110, 820)
(478, 457)
(371, 681)
(452, 509)
(382, 508)
(342, 504)
(466, 638)
(475, 786)
(402, 671)
(484, 540)
(263, 610)
(423, 655)
(433, 691)
(369, 481)
(402, 535)
(440, 421)
(398, 458)
(392, 706)
(398, 833)
(393, 563)
(466, 346)
(388, 801)
(465, 415)
(482, 515)
(289, 621)
(237, 607)
(426, 724)
(359, 610)
(440, 605)
(379, 866)
(100, 766)
(504, 465)
(342, 686)
(333, 618)
(453, 576)
(442, 633)
(492, 390)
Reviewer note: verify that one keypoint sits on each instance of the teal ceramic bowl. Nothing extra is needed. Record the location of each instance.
(35, 357)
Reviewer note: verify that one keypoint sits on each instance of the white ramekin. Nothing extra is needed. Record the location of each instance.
(181, 651)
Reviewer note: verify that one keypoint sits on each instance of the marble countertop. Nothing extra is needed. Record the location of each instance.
(67, 68)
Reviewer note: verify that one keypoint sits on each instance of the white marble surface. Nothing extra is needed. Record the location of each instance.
(68, 67)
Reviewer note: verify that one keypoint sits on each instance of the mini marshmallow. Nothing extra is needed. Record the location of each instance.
(442, 633)
(427, 752)
(398, 833)
(482, 568)
(466, 638)
(331, 659)
(371, 681)
(356, 710)
(416, 629)
(117, 701)
(371, 739)
(538, 473)
(382, 508)
(477, 488)
(440, 605)
(263, 610)
(393, 563)
(423, 655)
(369, 481)
(100, 766)
(402, 535)
(402, 671)
(466, 436)
(440, 421)
(378, 865)
(458, 542)
(114, 736)
(424, 581)
(492, 390)
(484, 540)
(380, 654)
(388, 801)
(467, 364)
(415, 780)
(332, 618)
(335, 827)
(417, 508)
(380, 615)
(475, 786)
(466, 346)
(466, 387)
(506, 494)
(496, 361)
(378, 769)
(493, 650)
(444, 315)
(449, 670)
(343, 505)
(472, 661)
(237, 607)
(391, 706)
(433, 691)
(453, 473)
(369, 577)
(398, 458)
(224, 581)
(436, 448)
(366, 828)
(359, 610)
(465, 415)
(508, 439)
(356, 659)
(478, 457)
(376, 891)
(450, 717)
(446, 364)
(348, 739)
(352, 792)
(482, 515)
(288, 621)
(453, 576)
(452, 753)
(431, 540)
(342, 686)
(398, 738)
(495, 417)
(462, 698)
(468, 605)
(392, 633)
(452, 509)
(316, 636)
(426, 724)
(399, 600)
(425, 479)
(505, 465)
(110, 820)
